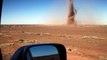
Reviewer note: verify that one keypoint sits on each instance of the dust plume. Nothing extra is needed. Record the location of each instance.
(71, 14)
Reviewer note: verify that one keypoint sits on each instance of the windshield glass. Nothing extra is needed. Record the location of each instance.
(80, 25)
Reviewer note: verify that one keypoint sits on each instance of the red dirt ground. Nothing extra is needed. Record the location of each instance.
(86, 42)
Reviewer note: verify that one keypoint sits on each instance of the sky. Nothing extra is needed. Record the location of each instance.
(53, 12)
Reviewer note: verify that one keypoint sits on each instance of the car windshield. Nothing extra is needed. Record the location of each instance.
(80, 25)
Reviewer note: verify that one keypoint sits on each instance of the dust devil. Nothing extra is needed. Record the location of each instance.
(71, 13)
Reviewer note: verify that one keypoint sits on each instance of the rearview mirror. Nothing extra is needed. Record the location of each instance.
(40, 52)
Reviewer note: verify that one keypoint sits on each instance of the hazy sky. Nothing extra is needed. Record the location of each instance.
(53, 11)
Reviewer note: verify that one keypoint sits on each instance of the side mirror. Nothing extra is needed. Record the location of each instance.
(40, 52)
(46, 52)
(1, 55)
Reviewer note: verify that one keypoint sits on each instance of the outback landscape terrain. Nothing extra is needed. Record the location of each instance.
(81, 42)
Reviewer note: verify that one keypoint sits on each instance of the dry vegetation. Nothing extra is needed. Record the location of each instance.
(81, 42)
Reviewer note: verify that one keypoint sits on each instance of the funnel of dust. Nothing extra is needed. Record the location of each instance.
(71, 13)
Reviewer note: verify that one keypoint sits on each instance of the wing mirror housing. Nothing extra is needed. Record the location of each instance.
(40, 52)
